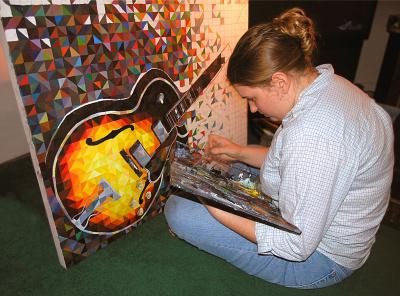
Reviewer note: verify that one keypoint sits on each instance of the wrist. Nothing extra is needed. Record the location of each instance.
(240, 153)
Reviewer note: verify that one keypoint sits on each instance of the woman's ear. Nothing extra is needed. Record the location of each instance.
(281, 82)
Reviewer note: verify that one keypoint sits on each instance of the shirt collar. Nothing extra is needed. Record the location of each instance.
(310, 95)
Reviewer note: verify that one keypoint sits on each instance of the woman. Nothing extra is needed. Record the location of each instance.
(329, 166)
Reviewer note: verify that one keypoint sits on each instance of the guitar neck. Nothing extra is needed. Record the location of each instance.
(195, 90)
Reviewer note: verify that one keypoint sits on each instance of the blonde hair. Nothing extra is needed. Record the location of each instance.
(285, 44)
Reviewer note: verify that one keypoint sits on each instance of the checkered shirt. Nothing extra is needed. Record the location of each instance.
(330, 167)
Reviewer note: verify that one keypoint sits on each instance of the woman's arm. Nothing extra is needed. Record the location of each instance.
(238, 224)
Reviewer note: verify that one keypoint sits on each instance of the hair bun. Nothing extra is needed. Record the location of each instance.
(295, 23)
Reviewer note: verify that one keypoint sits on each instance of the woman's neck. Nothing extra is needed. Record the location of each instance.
(302, 81)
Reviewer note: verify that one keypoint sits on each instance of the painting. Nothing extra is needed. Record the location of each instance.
(104, 89)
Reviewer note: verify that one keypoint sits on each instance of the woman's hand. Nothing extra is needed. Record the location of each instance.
(221, 148)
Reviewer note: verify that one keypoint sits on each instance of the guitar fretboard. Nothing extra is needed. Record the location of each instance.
(179, 109)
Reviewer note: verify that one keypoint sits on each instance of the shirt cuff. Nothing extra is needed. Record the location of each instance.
(264, 239)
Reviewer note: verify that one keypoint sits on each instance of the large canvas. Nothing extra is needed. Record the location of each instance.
(104, 89)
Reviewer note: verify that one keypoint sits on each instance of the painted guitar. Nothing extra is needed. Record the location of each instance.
(107, 158)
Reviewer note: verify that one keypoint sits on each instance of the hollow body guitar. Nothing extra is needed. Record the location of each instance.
(107, 158)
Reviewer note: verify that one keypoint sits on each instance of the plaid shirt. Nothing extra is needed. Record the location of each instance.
(330, 167)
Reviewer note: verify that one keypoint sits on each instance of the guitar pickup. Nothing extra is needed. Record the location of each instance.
(140, 154)
(160, 131)
(131, 163)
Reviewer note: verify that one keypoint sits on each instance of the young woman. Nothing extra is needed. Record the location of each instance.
(329, 166)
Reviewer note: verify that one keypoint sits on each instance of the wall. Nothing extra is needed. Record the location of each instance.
(12, 136)
(374, 48)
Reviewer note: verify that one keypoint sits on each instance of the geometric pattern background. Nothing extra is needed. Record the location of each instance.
(66, 54)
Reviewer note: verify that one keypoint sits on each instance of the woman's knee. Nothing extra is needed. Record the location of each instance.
(170, 211)
(179, 213)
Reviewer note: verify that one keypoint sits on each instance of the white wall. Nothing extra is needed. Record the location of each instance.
(373, 49)
(13, 142)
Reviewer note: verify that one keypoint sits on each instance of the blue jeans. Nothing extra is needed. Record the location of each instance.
(192, 222)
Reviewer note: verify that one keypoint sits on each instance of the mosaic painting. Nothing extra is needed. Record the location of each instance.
(104, 90)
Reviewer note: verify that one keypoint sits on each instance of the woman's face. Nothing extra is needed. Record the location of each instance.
(265, 99)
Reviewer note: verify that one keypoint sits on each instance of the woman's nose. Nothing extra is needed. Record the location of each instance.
(253, 107)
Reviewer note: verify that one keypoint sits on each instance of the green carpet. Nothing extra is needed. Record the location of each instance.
(148, 261)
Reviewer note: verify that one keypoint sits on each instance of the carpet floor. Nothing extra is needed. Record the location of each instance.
(148, 261)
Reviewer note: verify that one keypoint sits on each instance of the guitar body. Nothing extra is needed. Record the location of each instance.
(107, 158)
(131, 161)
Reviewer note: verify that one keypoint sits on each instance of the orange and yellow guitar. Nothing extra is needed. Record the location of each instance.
(107, 158)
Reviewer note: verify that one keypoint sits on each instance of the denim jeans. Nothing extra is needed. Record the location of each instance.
(192, 222)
